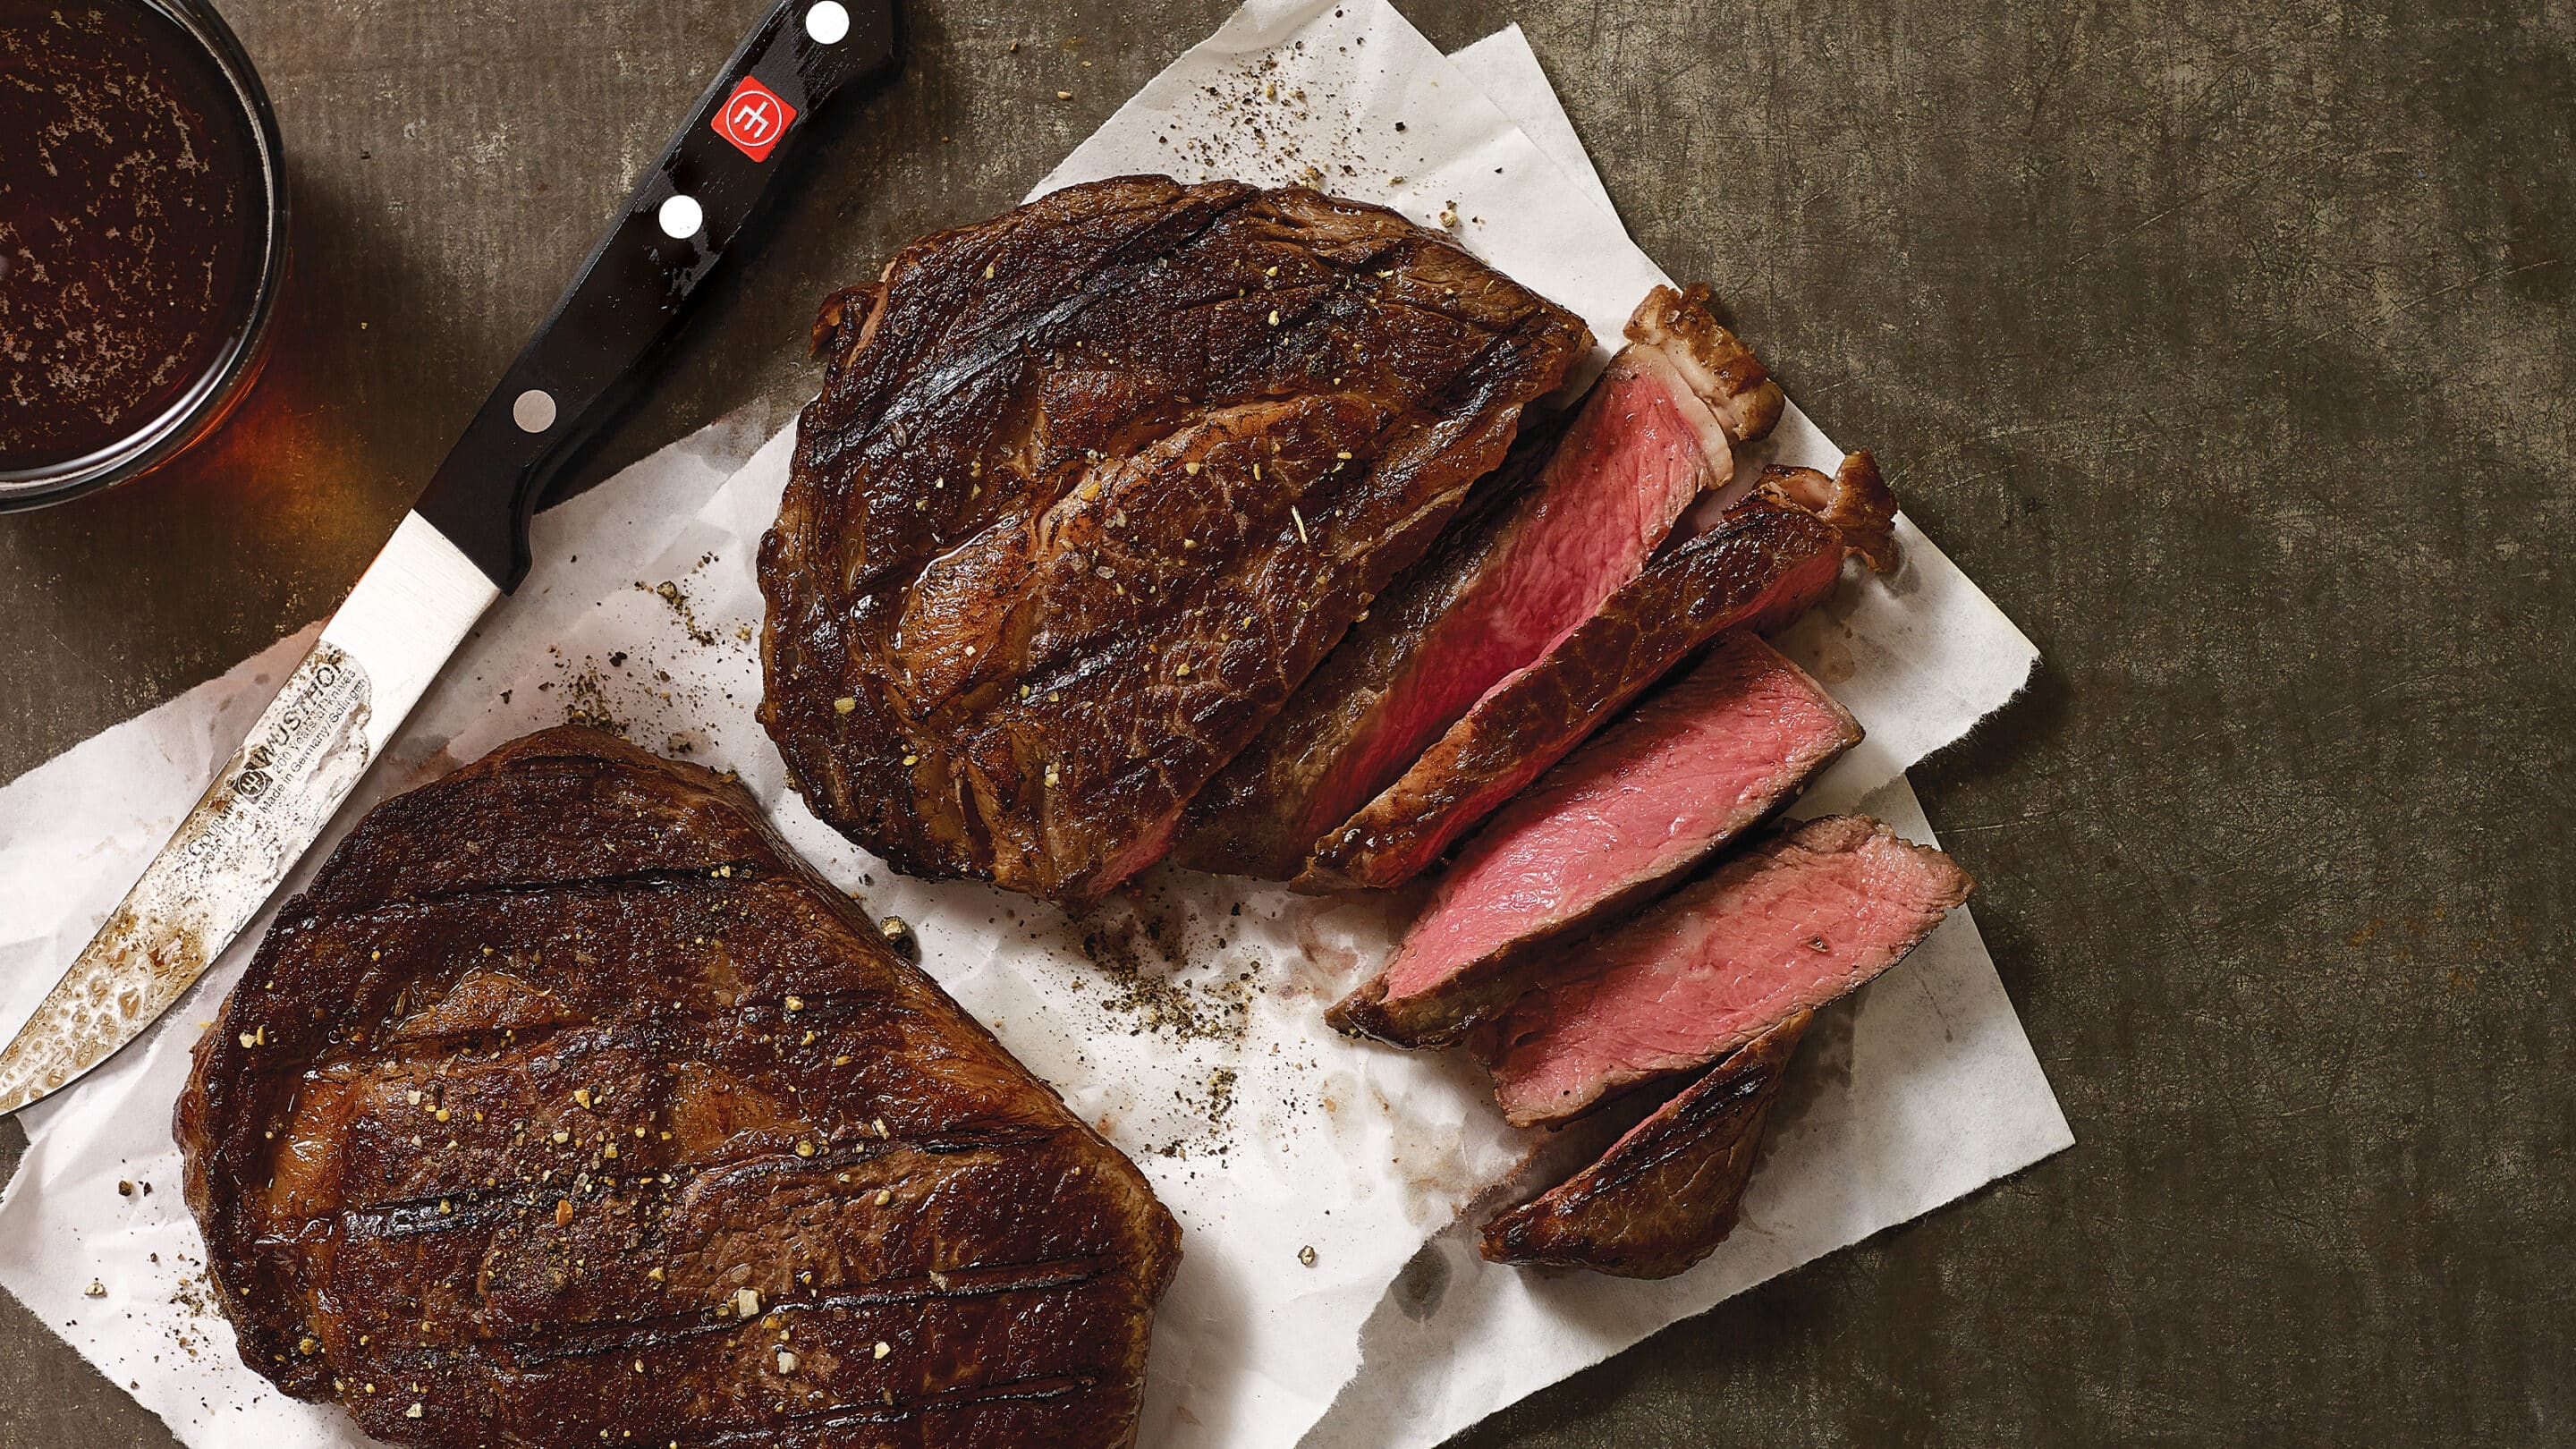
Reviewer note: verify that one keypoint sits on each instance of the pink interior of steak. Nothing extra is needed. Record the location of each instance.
(1642, 450)
(1451, 803)
(1645, 447)
(1787, 927)
(1692, 767)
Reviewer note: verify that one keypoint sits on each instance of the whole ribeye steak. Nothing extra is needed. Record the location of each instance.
(1092, 486)
(567, 1107)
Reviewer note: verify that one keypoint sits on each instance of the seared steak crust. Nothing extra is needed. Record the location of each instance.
(1260, 815)
(564, 1061)
(1666, 1193)
(1092, 486)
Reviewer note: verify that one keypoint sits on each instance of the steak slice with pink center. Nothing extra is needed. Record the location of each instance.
(1557, 534)
(1793, 922)
(1667, 1192)
(1616, 824)
(1772, 558)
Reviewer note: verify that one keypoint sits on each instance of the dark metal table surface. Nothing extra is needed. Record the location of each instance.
(2229, 347)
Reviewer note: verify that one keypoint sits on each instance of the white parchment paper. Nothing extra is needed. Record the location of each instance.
(1184, 1017)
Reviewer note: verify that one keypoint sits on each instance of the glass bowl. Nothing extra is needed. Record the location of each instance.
(233, 363)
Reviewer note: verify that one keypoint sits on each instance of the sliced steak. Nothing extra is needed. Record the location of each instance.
(568, 1107)
(1092, 486)
(1614, 825)
(1770, 560)
(1792, 922)
(1657, 431)
(1666, 1193)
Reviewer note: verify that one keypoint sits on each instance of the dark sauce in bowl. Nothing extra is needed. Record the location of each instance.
(137, 221)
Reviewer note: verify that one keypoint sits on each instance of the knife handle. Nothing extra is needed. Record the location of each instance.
(624, 306)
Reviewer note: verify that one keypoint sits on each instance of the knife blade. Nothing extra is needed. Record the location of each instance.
(462, 546)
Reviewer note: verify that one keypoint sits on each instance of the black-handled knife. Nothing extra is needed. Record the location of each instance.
(625, 304)
(461, 547)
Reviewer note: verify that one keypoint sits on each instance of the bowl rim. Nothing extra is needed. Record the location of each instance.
(221, 384)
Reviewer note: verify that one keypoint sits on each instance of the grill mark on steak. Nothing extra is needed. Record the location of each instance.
(982, 1280)
(461, 1046)
(660, 878)
(1092, 486)
(1669, 1190)
(712, 1030)
(410, 1043)
(570, 809)
(849, 1415)
(1116, 276)
(464, 1198)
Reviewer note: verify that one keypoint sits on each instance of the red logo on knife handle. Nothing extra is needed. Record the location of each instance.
(753, 118)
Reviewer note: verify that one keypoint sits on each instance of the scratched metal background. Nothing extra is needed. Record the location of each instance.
(2229, 346)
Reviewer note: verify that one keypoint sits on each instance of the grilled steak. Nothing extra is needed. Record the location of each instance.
(1656, 432)
(1786, 925)
(1771, 559)
(568, 1107)
(1614, 825)
(1091, 487)
(1258, 816)
(1666, 1193)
